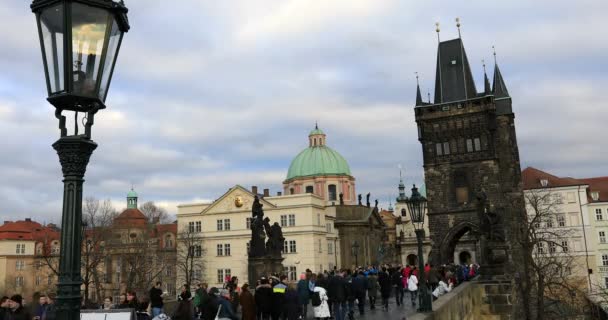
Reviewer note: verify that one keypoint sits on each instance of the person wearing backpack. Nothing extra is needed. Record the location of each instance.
(322, 310)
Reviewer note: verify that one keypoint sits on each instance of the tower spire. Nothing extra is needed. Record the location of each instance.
(499, 88)
(402, 196)
(464, 74)
(418, 95)
(437, 29)
(486, 82)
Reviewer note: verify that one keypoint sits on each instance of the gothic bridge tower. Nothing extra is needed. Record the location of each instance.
(471, 161)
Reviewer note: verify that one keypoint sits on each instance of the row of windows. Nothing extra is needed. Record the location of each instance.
(561, 222)
(20, 281)
(287, 220)
(552, 247)
(332, 192)
(49, 280)
(465, 145)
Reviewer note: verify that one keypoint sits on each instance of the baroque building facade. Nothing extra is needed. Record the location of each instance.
(318, 211)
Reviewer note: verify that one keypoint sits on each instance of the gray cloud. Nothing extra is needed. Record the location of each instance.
(209, 94)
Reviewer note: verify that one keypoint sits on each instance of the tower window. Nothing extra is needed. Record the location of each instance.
(446, 148)
(332, 192)
(439, 148)
(461, 187)
(309, 189)
(477, 143)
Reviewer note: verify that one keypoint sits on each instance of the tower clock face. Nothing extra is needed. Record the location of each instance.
(238, 201)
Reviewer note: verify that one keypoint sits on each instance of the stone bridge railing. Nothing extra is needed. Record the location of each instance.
(473, 300)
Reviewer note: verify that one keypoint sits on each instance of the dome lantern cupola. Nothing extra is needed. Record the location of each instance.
(132, 199)
(316, 138)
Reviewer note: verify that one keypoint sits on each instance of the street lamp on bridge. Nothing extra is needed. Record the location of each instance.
(79, 40)
(416, 203)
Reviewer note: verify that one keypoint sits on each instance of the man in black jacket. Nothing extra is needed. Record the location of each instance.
(263, 299)
(4, 306)
(385, 287)
(337, 292)
(156, 299)
(359, 290)
(396, 279)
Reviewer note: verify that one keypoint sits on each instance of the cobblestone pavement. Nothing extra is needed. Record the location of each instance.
(394, 312)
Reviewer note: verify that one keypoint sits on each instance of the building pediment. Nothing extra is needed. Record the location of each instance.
(237, 199)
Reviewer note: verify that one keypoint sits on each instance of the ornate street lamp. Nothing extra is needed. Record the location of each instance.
(417, 207)
(355, 252)
(79, 40)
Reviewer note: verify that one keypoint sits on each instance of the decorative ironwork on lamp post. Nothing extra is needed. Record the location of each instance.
(355, 252)
(79, 40)
(417, 207)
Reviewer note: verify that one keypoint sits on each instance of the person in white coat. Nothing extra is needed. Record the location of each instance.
(442, 288)
(321, 311)
(412, 286)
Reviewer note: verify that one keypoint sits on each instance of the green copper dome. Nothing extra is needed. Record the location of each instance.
(316, 131)
(132, 194)
(316, 161)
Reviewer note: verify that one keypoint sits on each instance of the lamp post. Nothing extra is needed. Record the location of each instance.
(79, 40)
(417, 207)
(355, 252)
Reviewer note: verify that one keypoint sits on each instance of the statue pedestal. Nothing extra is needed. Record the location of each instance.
(262, 267)
(495, 259)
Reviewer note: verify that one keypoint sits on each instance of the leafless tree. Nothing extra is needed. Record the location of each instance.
(548, 285)
(190, 254)
(142, 261)
(154, 212)
(96, 222)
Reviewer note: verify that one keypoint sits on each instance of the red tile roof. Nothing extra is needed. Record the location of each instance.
(600, 185)
(164, 228)
(28, 230)
(131, 218)
(531, 178)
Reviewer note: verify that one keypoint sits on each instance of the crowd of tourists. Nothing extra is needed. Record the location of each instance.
(336, 294)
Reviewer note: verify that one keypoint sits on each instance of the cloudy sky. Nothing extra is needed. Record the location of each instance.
(208, 94)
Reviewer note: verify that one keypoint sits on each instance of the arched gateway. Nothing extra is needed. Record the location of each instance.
(471, 162)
